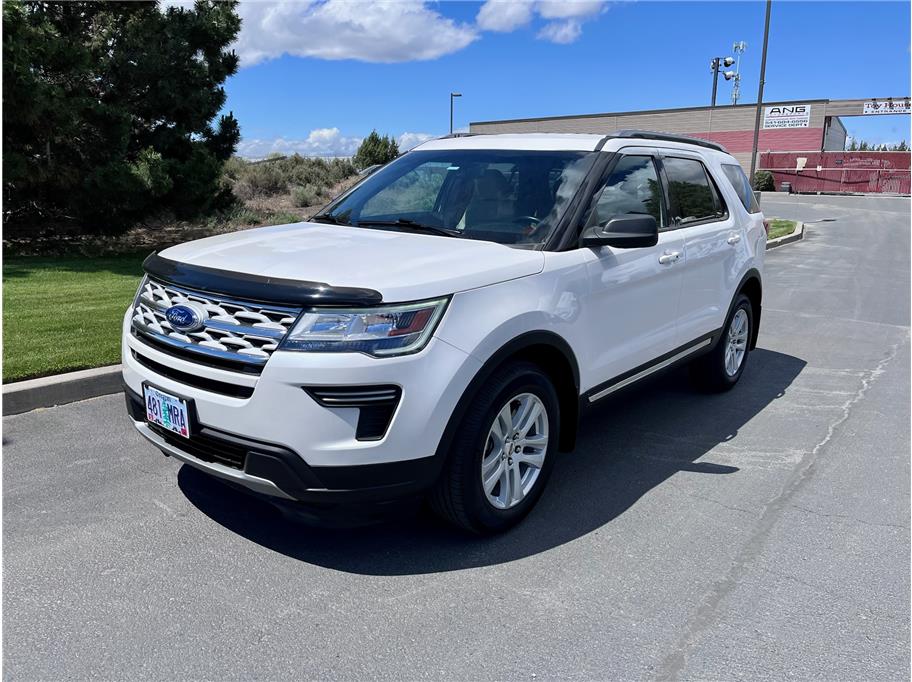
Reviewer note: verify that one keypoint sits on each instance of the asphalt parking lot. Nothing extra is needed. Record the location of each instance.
(761, 534)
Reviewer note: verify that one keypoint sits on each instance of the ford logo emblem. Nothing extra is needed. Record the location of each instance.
(185, 318)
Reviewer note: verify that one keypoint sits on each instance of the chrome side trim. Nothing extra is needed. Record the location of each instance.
(650, 370)
(260, 485)
(358, 399)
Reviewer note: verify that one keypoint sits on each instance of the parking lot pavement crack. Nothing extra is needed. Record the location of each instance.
(831, 318)
(864, 605)
(848, 517)
(707, 615)
(695, 496)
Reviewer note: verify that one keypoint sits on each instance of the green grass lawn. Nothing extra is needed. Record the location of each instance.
(780, 227)
(63, 314)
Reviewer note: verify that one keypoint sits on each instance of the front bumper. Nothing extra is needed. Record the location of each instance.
(289, 445)
(279, 472)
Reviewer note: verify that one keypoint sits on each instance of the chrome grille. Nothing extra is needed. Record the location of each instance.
(234, 330)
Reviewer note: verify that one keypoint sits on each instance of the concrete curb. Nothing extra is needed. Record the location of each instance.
(59, 389)
(795, 236)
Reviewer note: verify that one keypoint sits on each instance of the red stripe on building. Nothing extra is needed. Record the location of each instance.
(786, 139)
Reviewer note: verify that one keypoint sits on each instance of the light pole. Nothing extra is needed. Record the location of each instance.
(766, 31)
(453, 95)
(714, 67)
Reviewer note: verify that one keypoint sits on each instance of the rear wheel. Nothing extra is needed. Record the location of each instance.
(501, 458)
(720, 369)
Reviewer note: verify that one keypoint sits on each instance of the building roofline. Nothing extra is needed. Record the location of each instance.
(726, 107)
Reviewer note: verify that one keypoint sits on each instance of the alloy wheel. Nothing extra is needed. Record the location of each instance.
(515, 450)
(736, 345)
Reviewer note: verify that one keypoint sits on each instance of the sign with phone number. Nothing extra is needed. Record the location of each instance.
(794, 116)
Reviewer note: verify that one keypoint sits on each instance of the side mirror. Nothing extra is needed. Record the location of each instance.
(623, 232)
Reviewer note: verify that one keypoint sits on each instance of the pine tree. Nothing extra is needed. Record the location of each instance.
(108, 109)
(375, 149)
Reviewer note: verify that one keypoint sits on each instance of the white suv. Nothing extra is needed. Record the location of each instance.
(438, 328)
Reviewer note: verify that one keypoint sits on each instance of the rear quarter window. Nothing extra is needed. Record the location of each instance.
(742, 186)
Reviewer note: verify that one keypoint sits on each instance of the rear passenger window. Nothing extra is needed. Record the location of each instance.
(632, 187)
(742, 186)
(691, 192)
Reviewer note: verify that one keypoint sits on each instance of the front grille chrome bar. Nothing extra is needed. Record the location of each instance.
(232, 331)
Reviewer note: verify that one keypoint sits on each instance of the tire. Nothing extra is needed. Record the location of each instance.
(459, 495)
(713, 371)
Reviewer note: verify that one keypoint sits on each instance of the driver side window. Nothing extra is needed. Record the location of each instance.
(632, 187)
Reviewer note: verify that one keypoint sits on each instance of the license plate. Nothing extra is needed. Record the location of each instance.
(167, 411)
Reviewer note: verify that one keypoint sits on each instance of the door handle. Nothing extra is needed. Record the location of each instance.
(669, 257)
(734, 238)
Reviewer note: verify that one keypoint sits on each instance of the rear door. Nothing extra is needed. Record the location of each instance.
(711, 234)
(634, 292)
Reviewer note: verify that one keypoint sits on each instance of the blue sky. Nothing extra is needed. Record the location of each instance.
(316, 77)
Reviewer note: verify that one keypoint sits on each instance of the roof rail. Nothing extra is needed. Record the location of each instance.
(668, 137)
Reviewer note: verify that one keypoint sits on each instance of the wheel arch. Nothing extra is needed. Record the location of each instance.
(549, 351)
(751, 286)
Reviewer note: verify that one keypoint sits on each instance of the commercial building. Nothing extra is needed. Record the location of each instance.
(794, 127)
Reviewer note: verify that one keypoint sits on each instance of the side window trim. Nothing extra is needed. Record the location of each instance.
(673, 223)
(666, 194)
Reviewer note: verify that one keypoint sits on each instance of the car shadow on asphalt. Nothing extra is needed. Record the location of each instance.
(629, 444)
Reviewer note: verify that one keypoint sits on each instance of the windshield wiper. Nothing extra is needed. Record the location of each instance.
(411, 224)
(328, 218)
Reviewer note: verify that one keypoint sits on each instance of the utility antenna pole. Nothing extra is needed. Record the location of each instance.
(766, 32)
(738, 48)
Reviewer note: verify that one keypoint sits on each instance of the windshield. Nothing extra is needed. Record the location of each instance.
(505, 196)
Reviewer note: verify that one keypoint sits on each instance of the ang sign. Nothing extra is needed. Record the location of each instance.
(887, 107)
(792, 116)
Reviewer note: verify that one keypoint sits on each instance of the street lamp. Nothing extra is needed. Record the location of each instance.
(453, 95)
(714, 67)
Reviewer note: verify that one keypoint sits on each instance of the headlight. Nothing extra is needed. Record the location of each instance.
(381, 331)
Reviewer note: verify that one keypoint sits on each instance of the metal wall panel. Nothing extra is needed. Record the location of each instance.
(867, 172)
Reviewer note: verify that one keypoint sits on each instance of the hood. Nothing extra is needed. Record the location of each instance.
(402, 266)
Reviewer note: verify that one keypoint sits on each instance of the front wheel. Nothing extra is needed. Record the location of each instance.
(720, 369)
(501, 458)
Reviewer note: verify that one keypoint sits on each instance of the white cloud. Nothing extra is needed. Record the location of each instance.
(561, 32)
(566, 9)
(389, 31)
(320, 142)
(407, 141)
(566, 16)
(503, 15)
(406, 30)
(327, 142)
